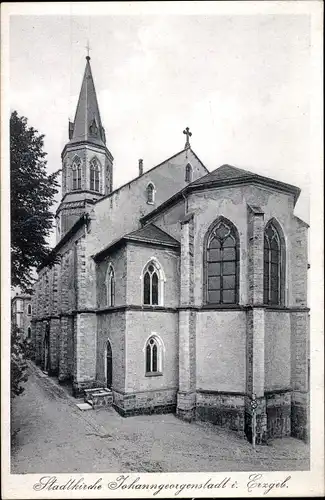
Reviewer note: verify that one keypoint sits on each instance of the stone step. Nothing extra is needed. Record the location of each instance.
(84, 406)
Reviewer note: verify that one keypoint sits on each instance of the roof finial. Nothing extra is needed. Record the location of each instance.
(188, 135)
(88, 49)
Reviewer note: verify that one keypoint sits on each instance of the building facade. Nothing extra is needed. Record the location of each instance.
(21, 313)
(183, 290)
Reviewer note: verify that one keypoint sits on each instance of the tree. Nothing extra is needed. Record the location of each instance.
(32, 196)
(32, 193)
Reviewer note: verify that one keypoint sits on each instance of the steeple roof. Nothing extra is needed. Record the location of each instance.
(87, 125)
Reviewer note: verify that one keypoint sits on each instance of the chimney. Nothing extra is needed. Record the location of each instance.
(140, 167)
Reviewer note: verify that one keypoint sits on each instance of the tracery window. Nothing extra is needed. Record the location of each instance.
(110, 286)
(221, 263)
(274, 259)
(188, 173)
(150, 193)
(151, 286)
(153, 356)
(76, 173)
(94, 174)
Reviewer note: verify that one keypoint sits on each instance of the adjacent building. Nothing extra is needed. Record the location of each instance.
(21, 313)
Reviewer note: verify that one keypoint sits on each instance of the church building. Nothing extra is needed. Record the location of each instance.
(184, 290)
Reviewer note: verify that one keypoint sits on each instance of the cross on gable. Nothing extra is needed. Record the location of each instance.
(188, 135)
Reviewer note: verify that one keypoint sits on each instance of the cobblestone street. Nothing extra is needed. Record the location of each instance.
(51, 435)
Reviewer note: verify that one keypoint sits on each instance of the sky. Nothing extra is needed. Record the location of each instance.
(240, 82)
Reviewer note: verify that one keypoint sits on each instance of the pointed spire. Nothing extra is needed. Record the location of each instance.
(87, 125)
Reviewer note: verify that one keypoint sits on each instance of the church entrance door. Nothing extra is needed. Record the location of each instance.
(109, 365)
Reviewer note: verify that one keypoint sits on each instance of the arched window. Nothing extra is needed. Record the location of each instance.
(274, 264)
(221, 263)
(29, 309)
(188, 173)
(150, 193)
(76, 173)
(94, 174)
(29, 332)
(153, 353)
(110, 286)
(153, 284)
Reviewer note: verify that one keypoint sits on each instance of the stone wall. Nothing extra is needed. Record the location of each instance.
(299, 374)
(232, 204)
(118, 260)
(221, 351)
(112, 328)
(137, 258)
(277, 350)
(223, 409)
(140, 325)
(278, 409)
(121, 211)
(147, 403)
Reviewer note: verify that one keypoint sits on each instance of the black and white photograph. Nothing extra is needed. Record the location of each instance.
(162, 220)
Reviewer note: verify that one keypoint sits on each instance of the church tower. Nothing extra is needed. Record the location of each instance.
(87, 164)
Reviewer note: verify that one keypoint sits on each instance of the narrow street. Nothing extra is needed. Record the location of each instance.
(51, 435)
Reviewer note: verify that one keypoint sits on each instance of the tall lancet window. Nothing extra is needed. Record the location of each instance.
(150, 193)
(76, 173)
(153, 278)
(154, 354)
(188, 173)
(221, 263)
(274, 265)
(110, 286)
(94, 174)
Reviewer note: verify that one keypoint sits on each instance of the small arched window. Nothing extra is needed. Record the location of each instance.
(29, 309)
(188, 173)
(274, 265)
(221, 263)
(153, 356)
(110, 286)
(29, 332)
(150, 193)
(94, 174)
(76, 173)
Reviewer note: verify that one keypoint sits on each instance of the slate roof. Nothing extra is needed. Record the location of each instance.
(149, 234)
(87, 115)
(152, 233)
(225, 172)
(226, 175)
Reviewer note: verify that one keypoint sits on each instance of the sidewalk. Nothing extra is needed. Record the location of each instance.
(52, 435)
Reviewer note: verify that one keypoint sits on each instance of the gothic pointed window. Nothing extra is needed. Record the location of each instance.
(76, 173)
(188, 173)
(94, 175)
(150, 193)
(274, 258)
(221, 263)
(153, 282)
(110, 286)
(153, 352)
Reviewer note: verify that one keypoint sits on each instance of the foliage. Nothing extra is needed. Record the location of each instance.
(32, 196)
(18, 362)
